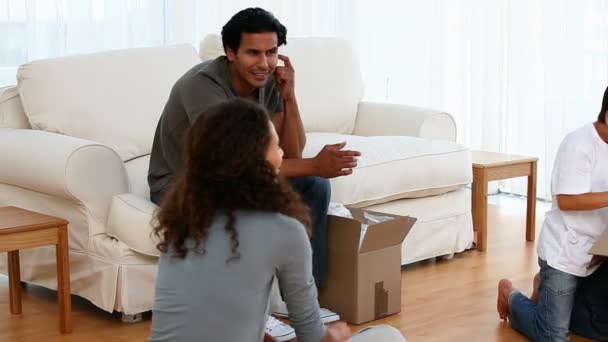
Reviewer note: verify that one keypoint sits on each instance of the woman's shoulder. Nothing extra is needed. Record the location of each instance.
(269, 218)
(277, 223)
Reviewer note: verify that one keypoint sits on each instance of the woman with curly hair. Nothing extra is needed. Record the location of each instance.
(226, 228)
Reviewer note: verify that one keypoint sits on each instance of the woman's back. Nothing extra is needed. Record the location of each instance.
(206, 297)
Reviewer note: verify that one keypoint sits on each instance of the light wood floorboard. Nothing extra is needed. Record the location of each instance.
(453, 300)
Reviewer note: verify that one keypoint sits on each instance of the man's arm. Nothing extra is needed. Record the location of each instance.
(289, 124)
(332, 161)
(587, 201)
(299, 168)
(290, 129)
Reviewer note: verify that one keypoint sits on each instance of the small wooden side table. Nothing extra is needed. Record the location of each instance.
(19, 229)
(491, 166)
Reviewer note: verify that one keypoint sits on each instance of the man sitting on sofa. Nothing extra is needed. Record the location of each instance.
(251, 39)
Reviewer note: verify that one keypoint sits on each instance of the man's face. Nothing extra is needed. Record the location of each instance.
(256, 58)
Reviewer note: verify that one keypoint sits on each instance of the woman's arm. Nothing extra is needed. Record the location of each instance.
(297, 284)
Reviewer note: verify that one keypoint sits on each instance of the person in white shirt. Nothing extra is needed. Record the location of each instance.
(579, 215)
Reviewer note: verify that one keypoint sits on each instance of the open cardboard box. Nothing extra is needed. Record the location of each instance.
(364, 270)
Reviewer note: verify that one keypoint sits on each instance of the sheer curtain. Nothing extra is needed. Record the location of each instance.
(35, 29)
(516, 74)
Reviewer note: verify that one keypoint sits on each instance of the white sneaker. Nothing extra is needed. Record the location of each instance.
(327, 316)
(279, 330)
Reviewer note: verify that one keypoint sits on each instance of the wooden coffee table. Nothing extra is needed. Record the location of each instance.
(491, 166)
(19, 229)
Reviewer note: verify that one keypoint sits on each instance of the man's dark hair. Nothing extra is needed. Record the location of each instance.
(251, 20)
(602, 116)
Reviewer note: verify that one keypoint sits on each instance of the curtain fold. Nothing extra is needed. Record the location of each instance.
(517, 75)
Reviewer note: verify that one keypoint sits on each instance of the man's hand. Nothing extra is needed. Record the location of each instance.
(336, 332)
(333, 161)
(596, 260)
(268, 338)
(285, 78)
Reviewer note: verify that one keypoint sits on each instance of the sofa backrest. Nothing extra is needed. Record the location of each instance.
(11, 110)
(113, 97)
(328, 80)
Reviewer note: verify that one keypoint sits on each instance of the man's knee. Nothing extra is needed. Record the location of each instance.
(312, 187)
(321, 186)
(156, 197)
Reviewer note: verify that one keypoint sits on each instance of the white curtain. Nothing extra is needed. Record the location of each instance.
(35, 29)
(516, 74)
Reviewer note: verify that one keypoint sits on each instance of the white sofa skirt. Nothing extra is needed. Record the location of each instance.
(103, 270)
(444, 225)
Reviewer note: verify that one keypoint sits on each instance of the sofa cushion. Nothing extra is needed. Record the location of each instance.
(130, 220)
(137, 173)
(394, 167)
(328, 80)
(114, 97)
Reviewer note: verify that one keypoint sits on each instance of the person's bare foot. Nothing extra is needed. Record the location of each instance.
(535, 287)
(505, 287)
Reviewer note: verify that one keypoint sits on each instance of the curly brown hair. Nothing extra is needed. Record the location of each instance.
(225, 170)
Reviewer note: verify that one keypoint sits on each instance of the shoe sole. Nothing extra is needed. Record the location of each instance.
(324, 319)
(330, 318)
(286, 337)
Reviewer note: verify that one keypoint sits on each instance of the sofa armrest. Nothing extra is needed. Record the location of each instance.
(130, 221)
(375, 118)
(11, 110)
(64, 167)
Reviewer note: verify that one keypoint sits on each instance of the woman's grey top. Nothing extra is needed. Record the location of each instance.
(205, 297)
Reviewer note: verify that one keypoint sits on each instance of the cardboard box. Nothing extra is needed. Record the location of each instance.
(364, 271)
(600, 247)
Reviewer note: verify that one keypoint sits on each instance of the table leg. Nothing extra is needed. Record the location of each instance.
(63, 282)
(480, 207)
(14, 278)
(531, 211)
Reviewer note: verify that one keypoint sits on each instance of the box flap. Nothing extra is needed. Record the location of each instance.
(600, 247)
(349, 232)
(387, 233)
(363, 216)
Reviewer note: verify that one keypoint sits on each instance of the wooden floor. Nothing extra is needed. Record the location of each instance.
(452, 300)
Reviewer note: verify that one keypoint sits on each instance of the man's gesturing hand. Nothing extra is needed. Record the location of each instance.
(285, 78)
(333, 161)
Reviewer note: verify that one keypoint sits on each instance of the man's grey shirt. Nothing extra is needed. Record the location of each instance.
(200, 88)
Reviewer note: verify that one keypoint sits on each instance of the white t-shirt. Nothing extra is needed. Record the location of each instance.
(581, 166)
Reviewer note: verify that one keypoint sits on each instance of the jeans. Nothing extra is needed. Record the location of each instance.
(316, 193)
(590, 313)
(157, 197)
(549, 320)
(566, 302)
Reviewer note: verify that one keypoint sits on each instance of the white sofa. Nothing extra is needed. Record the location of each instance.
(76, 133)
